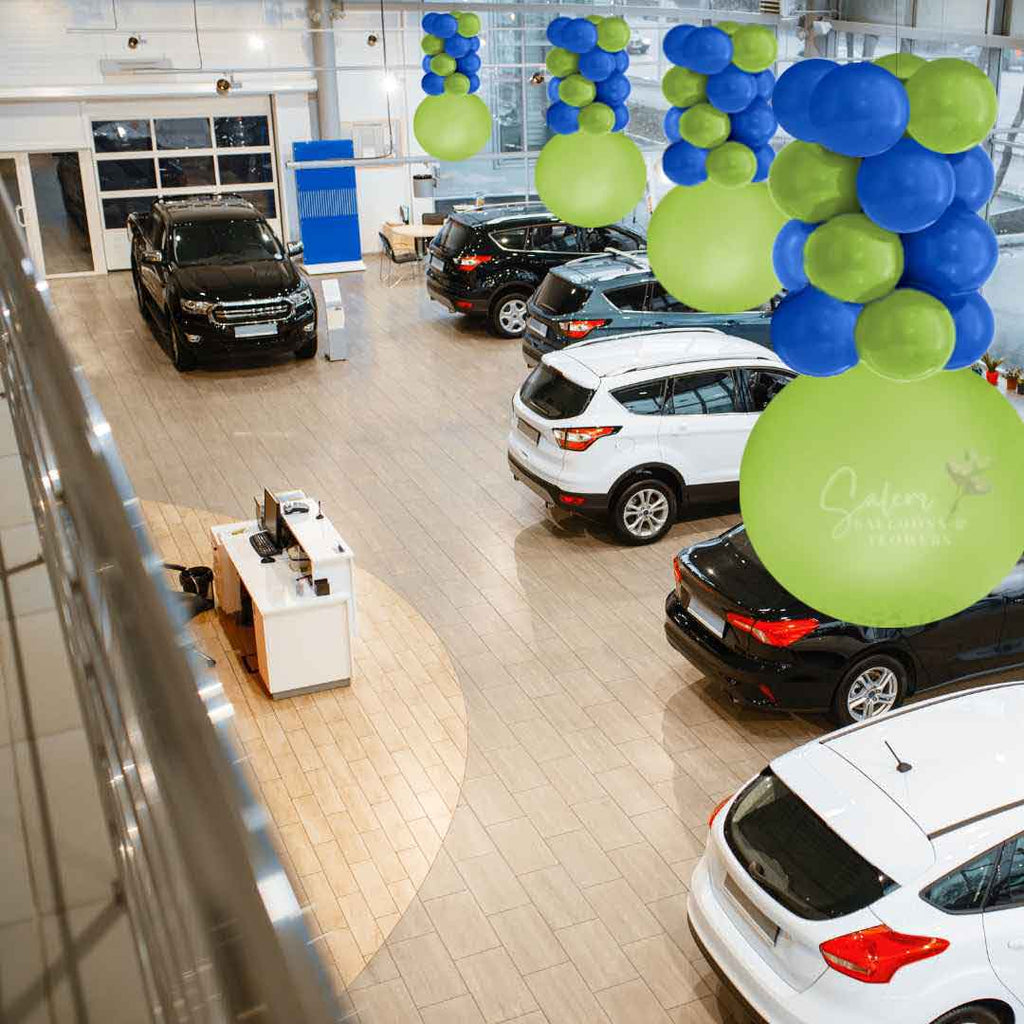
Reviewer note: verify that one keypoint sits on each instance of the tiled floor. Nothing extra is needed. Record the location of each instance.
(594, 751)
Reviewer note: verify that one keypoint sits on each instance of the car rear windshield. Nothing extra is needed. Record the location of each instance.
(553, 396)
(454, 236)
(795, 857)
(556, 295)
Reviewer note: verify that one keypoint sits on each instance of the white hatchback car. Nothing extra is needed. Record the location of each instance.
(634, 427)
(877, 874)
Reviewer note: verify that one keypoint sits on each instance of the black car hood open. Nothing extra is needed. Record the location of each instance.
(730, 565)
(231, 282)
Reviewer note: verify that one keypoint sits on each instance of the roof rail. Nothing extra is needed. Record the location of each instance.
(212, 199)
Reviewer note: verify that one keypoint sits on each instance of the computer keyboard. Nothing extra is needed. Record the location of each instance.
(263, 544)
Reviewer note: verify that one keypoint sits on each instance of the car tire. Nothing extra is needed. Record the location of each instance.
(874, 685)
(308, 350)
(644, 511)
(975, 1013)
(182, 357)
(508, 314)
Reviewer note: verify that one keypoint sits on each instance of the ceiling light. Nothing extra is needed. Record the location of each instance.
(390, 83)
(257, 42)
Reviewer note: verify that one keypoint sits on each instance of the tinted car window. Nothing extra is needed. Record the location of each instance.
(643, 399)
(553, 396)
(763, 386)
(645, 297)
(510, 238)
(795, 857)
(704, 394)
(557, 295)
(224, 241)
(1008, 890)
(454, 236)
(555, 238)
(613, 238)
(963, 890)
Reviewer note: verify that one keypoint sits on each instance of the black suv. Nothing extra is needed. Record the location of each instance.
(489, 261)
(213, 278)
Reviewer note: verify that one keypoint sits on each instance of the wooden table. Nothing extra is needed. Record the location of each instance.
(419, 233)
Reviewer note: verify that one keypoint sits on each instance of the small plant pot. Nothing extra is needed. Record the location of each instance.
(992, 376)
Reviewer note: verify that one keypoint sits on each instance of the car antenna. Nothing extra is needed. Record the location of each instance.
(901, 765)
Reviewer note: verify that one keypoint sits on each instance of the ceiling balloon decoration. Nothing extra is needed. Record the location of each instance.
(451, 122)
(589, 173)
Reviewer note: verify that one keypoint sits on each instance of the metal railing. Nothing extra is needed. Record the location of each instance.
(218, 929)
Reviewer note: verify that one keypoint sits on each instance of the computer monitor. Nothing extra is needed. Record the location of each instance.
(272, 517)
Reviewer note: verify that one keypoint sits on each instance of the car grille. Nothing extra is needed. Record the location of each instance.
(254, 311)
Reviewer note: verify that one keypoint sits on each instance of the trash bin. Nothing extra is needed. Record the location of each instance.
(337, 339)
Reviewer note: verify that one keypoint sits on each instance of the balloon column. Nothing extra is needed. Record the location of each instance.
(875, 488)
(452, 123)
(589, 173)
(710, 240)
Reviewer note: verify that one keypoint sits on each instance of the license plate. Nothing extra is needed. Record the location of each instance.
(531, 432)
(537, 326)
(435, 263)
(706, 617)
(761, 921)
(255, 330)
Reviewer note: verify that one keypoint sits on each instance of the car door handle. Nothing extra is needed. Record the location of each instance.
(1017, 945)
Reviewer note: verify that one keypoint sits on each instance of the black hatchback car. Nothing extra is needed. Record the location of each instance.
(488, 261)
(732, 619)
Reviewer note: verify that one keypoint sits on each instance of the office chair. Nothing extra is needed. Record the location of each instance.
(391, 260)
(195, 598)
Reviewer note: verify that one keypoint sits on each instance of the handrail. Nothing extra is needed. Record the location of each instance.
(219, 932)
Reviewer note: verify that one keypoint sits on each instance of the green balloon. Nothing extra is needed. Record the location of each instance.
(728, 27)
(953, 105)
(908, 335)
(704, 126)
(562, 63)
(457, 84)
(851, 258)
(886, 504)
(811, 183)
(597, 118)
(432, 45)
(731, 165)
(754, 48)
(590, 180)
(452, 127)
(469, 24)
(595, 19)
(901, 64)
(442, 65)
(683, 87)
(613, 34)
(577, 91)
(711, 247)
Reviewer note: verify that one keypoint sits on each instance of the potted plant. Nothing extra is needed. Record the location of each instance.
(1013, 379)
(992, 365)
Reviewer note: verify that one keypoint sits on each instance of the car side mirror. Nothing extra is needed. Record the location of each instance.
(294, 248)
(153, 256)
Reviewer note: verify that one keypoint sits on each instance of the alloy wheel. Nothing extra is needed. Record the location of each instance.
(646, 512)
(872, 693)
(512, 316)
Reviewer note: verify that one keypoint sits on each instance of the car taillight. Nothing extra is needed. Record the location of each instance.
(874, 955)
(677, 570)
(718, 807)
(471, 262)
(579, 439)
(780, 633)
(577, 329)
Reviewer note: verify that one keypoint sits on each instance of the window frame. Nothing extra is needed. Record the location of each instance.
(738, 398)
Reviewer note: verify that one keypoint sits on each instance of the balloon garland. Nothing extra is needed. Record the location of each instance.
(589, 173)
(710, 239)
(451, 123)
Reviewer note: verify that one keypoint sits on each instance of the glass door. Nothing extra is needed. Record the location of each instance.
(10, 166)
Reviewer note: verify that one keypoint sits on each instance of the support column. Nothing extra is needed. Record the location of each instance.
(321, 15)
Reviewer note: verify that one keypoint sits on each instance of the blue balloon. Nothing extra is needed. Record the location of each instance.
(975, 328)
(597, 64)
(555, 30)
(956, 254)
(468, 65)
(792, 94)
(425, 63)
(474, 83)
(707, 50)
(859, 109)
(813, 333)
(474, 44)
(579, 35)
(731, 90)
(427, 23)
(621, 61)
(754, 126)
(906, 188)
(685, 164)
(614, 90)
(765, 81)
(672, 44)
(553, 83)
(445, 26)
(975, 177)
(765, 155)
(788, 254)
(432, 85)
(621, 112)
(563, 118)
(671, 123)
(457, 46)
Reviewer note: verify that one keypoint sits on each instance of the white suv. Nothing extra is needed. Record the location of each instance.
(635, 426)
(877, 874)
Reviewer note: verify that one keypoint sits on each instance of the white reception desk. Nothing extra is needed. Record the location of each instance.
(303, 639)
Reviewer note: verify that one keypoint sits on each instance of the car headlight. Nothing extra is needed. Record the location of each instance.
(196, 306)
(301, 296)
